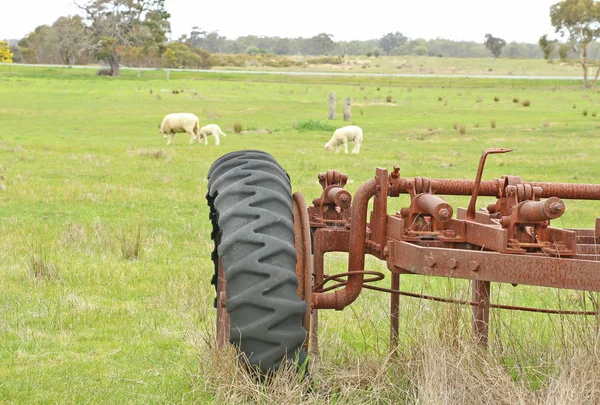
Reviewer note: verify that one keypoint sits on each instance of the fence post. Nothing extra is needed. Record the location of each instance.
(347, 109)
(331, 106)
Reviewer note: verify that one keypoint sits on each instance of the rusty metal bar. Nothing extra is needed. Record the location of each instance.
(540, 271)
(356, 253)
(481, 311)
(490, 188)
(394, 311)
(304, 263)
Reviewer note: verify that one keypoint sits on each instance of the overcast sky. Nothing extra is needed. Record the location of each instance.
(512, 20)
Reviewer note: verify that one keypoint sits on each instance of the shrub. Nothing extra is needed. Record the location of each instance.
(313, 125)
(331, 60)
(526, 103)
(237, 127)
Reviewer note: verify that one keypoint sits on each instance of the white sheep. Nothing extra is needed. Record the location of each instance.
(179, 122)
(341, 136)
(210, 129)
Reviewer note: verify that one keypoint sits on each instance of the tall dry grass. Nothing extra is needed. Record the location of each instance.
(442, 365)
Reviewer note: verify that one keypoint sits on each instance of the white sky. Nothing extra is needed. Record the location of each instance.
(512, 20)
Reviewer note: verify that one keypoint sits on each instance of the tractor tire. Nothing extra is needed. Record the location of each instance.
(250, 201)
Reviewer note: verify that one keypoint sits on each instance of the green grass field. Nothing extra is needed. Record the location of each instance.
(105, 248)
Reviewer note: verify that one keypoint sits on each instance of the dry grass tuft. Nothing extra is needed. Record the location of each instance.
(388, 99)
(74, 236)
(38, 265)
(153, 153)
(526, 103)
(493, 123)
(496, 98)
(131, 243)
(585, 112)
(515, 100)
(462, 129)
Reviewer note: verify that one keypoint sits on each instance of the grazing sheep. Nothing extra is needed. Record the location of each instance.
(341, 136)
(179, 122)
(211, 129)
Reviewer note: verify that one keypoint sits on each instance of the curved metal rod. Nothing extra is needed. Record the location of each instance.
(356, 253)
(471, 207)
(377, 276)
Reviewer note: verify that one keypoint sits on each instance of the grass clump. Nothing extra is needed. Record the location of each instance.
(388, 99)
(131, 243)
(515, 100)
(151, 153)
(526, 103)
(38, 265)
(585, 112)
(496, 98)
(237, 127)
(313, 125)
(462, 129)
(493, 123)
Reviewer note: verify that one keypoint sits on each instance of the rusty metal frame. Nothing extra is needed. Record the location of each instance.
(510, 241)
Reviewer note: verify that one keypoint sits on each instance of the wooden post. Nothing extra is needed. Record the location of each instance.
(139, 72)
(347, 109)
(331, 106)
(168, 74)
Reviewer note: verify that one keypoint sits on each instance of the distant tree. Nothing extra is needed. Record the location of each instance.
(563, 52)
(321, 44)
(392, 40)
(547, 46)
(580, 21)
(115, 24)
(72, 38)
(6, 56)
(253, 50)
(421, 50)
(16, 53)
(40, 46)
(494, 45)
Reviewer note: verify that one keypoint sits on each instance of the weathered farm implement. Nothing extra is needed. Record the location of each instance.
(269, 246)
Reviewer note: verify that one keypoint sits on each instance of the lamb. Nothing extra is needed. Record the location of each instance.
(180, 122)
(211, 129)
(342, 136)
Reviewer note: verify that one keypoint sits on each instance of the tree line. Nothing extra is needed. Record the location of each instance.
(134, 33)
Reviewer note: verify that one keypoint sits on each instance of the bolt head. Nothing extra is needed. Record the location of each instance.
(473, 265)
(430, 261)
(452, 263)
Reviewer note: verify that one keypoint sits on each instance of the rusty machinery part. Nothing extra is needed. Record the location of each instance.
(378, 276)
(251, 206)
(320, 288)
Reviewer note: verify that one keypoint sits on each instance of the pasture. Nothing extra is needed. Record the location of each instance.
(105, 292)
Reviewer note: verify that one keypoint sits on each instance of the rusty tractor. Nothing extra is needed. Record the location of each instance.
(269, 252)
